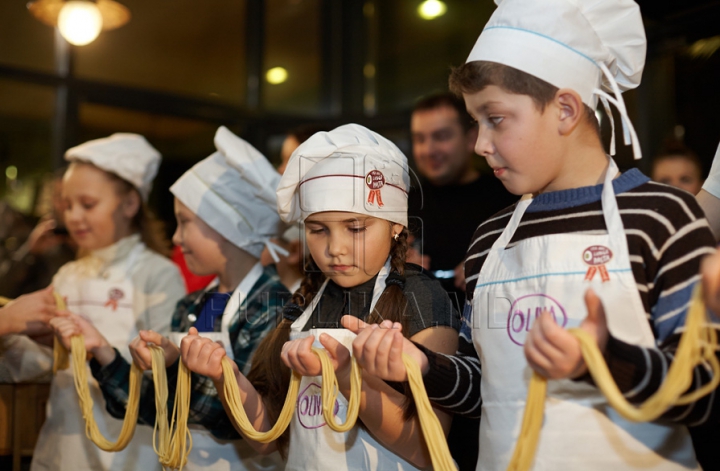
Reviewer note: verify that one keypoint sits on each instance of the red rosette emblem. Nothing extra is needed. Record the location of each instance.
(597, 256)
(375, 180)
(114, 295)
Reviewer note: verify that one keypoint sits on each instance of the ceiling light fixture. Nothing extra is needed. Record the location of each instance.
(431, 9)
(80, 21)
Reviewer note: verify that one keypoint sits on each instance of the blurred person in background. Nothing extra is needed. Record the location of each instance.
(48, 247)
(678, 166)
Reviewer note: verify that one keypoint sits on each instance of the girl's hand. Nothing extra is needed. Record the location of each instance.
(378, 348)
(555, 353)
(140, 350)
(202, 356)
(298, 356)
(64, 330)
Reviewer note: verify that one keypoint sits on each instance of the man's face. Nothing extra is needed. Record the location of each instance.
(441, 148)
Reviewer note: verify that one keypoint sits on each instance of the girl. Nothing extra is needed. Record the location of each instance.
(349, 186)
(122, 285)
(226, 213)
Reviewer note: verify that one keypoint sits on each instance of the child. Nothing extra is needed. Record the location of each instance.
(226, 212)
(122, 285)
(530, 82)
(678, 166)
(349, 187)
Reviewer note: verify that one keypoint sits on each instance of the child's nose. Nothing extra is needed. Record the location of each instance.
(336, 246)
(483, 145)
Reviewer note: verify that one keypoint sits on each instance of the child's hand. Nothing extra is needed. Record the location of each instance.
(298, 356)
(141, 352)
(29, 314)
(64, 330)
(555, 353)
(710, 270)
(378, 348)
(202, 356)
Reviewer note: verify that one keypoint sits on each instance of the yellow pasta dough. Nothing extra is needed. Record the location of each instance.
(697, 346)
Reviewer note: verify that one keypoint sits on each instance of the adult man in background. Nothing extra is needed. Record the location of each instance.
(453, 197)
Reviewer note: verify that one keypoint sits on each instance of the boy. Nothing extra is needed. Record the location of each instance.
(531, 82)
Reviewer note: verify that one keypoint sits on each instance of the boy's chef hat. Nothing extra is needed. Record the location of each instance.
(233, 191)
(347, 169)
(126, 155)
(586, 45)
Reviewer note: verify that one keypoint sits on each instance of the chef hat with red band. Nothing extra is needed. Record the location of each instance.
(348, 169)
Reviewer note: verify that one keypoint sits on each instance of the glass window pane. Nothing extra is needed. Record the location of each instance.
(180, 46)
(292, 41)
(26, 113)
(415, 55)
(25, 41)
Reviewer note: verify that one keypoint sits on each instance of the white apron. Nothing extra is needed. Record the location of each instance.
(62, 444)
(580, 430)
(208, 452)
(313, 445)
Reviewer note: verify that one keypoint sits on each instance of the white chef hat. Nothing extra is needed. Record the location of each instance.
(586, 45)
(129, 156)
(347, 169)
(233, 191)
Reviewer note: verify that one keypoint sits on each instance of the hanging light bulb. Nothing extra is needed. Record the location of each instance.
(80, 22)
(431, 9)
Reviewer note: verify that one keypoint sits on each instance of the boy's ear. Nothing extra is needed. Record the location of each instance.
(131, 204)
(572, 110)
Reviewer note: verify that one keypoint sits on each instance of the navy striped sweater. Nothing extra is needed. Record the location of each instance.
(667, 237)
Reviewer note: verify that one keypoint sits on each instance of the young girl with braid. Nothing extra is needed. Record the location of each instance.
(349, 188)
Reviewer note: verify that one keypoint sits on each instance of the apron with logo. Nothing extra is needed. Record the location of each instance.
(208, 452)
(62, 444)
(314, 445)
(580, 430)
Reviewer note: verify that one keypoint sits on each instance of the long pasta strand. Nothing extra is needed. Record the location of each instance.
(330, 391)
(79, 357)
(237, 410)
(698, 345)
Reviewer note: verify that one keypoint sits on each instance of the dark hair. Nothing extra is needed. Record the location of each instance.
(445, 99)
(150, 228)
(269, 375)
(672, 149)
(303, 132)
(473, 77)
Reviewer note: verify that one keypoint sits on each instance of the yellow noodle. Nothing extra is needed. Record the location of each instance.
(330, 391)
(237, 410)
(4, 300)
(180, 441)
(61, 360)
(429, 423)
(697, 346)
(79, 367)
(161, 431)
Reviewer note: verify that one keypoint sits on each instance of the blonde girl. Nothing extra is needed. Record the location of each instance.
(122, 285)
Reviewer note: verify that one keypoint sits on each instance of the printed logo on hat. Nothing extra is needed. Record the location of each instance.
(597, 256)
(114, 295)
(375, 180)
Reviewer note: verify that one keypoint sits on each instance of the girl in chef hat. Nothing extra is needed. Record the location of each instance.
(121, 286)
(349, 188)
(226, 210)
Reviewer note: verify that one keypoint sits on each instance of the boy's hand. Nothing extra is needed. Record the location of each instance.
(378, 348)
(555, 353)
(298, 356)
(141, 352)
(710, 269)
(202, 356)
